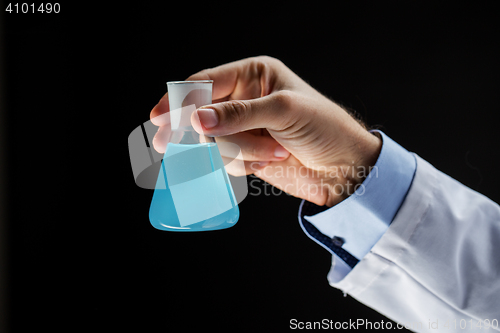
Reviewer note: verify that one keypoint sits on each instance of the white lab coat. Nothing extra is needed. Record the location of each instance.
(439, 261)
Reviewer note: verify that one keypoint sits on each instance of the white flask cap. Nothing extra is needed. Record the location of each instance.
(184, 98)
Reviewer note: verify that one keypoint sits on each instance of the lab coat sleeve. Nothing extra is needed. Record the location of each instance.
(437, 267)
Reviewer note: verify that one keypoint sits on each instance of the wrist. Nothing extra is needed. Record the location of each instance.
(353, 173)
(371, 150)
(368, 152)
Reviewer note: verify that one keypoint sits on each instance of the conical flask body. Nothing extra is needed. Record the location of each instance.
(193, 191)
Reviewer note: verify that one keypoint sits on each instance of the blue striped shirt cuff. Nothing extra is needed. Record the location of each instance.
(351, 228)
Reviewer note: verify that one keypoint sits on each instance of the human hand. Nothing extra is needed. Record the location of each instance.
(290, 135)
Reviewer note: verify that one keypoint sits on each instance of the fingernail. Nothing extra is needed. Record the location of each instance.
(208, 117)
(281, 152)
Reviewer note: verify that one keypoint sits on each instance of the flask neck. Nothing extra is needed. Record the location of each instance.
(188, 136)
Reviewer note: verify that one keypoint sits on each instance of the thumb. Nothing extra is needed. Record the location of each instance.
(274, 112)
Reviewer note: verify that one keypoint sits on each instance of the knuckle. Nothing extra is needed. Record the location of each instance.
(286, 105)
(244, 169)
(253, 152)
(236, 112)
(284, 99)
(268, 60)
(262, 60)
(235, 170)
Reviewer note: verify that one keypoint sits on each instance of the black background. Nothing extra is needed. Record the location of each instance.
(81, 250)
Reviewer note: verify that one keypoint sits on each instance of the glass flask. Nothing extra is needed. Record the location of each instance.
(193, 191)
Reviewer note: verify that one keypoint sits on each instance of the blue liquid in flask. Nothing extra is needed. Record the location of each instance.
(193, 191)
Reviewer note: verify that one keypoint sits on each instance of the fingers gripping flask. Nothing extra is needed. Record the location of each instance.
(193, 191)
